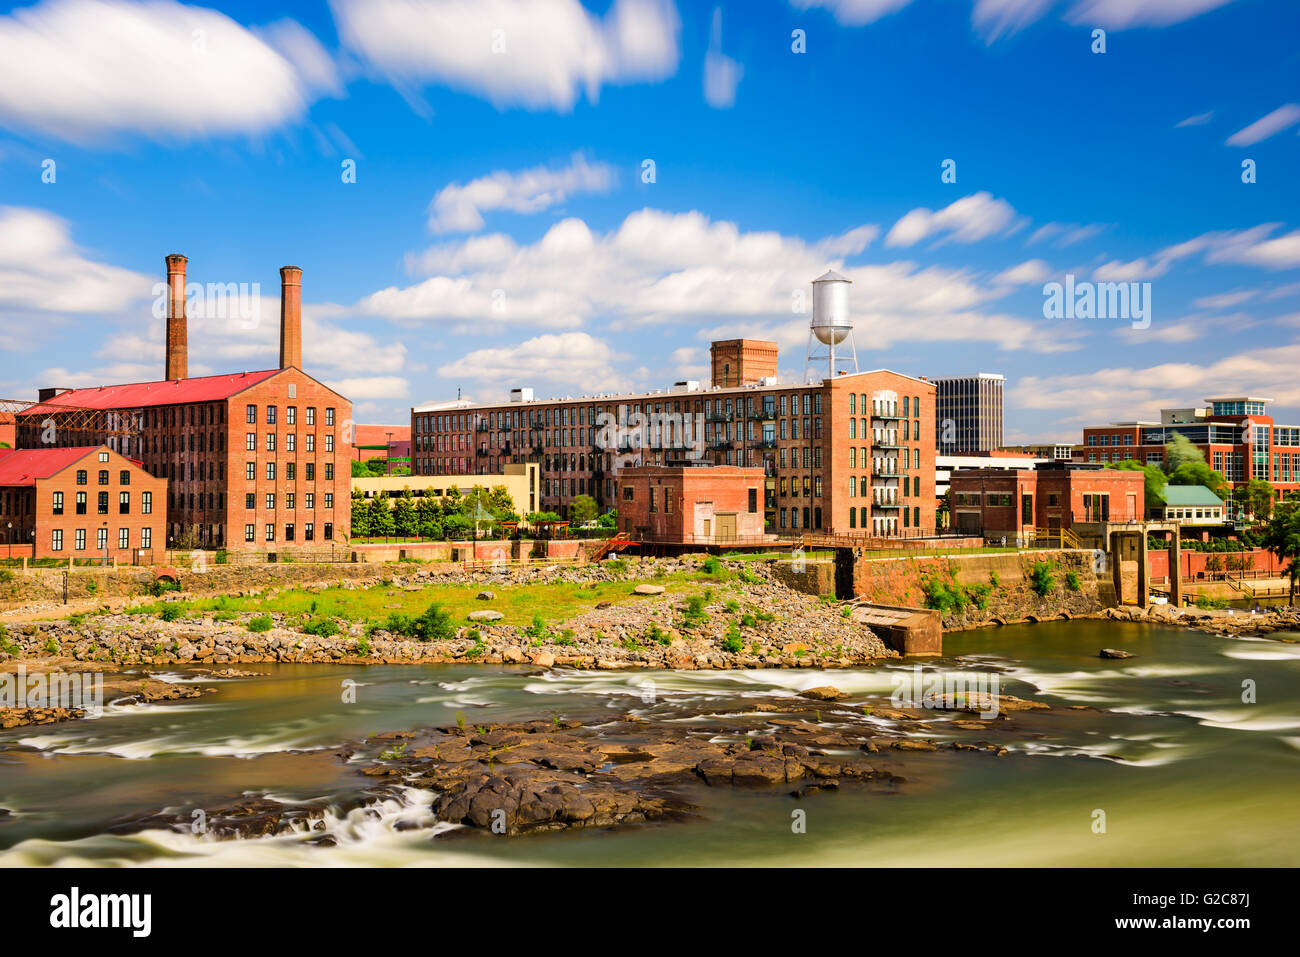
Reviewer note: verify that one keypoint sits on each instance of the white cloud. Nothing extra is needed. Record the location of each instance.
(721, 73)
(1284, 116)
(459, 208)
(42, 270)
(853, 13)
(1126, 393)
(574, 359)
(371, 387)
(1030, 272)
(994, 19)
(967, 220)
(549, 50)
(1225, 300)
(85, 70)
(1120, 14)
(1199, 119)
(1065, 234)
(1250, 247)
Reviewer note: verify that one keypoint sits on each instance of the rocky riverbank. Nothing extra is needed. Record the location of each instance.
(1227, 622)
(641, 766)
(748, 621)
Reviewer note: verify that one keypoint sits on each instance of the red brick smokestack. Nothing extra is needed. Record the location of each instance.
(290, 317)
(177, 365)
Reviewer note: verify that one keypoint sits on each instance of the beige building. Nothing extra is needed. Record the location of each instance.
(520, 482)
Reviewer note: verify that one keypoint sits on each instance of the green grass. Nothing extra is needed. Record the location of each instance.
(552, 603)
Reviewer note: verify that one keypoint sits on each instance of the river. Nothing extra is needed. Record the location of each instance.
(1184, 771)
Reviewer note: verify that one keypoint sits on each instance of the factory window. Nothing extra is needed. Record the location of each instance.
(270, 471)
(79, 540)
(627, 493)
(249, 532)
(56, 540)
(81, 476)
(329, 500)
(270, 415)
(817, 488)
(290, 500)
(311, 442)
(309, 500)
(103, 476)
(250, 500)
(81, 503)
(329, 416)
(916, 514)
(123, 538)
(146, 537)
(250, 471)
(853, 403)
(309, 471)
(290, 469)
(101, 539)
(250, 414)
(124, 477)
(288, 532)
(58, 503)
(328, 531)
(853, 518)
(270, 441)
(308, 533)
(103, 503)
(124, 503)
(289, 442)
(291, 415)
(250, 442)
(853, 428)
(329, 443)
(270, 500)
(311, 415)
(270, 532)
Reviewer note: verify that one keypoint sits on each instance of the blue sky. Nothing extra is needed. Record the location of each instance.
(499, 231)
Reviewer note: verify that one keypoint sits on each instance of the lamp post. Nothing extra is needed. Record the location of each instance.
(9, 538)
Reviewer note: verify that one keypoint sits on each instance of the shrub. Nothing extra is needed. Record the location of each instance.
(747, 620)
(477, 650)
(321, 627)
(615, 566)
(945, 597)
(363, 646)
(979, 594)
(1041, 579)
(994, 580)
(695, 610)
(846, 612)
(1072, 580)
(161, 586)
(538, 627)
(260, 623)
(711, 565)
(170, 612)
(733, 606)
(434, 625)
(731, 641)
(52, 647)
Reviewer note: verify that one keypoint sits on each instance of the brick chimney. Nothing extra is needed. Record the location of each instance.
(177, 364)
(290, 317)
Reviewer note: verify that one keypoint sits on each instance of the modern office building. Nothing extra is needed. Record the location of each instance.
(255, 460)
(1236, 435)
(968, 413)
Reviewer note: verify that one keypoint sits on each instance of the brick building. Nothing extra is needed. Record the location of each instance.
(81, 503)
(854, 453)
(256, 460)
(1054, 496)
(1237, 436)
(682, 504)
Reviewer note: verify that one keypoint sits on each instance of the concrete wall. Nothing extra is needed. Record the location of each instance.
(898, 581)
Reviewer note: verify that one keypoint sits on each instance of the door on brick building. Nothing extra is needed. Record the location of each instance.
(727, 527)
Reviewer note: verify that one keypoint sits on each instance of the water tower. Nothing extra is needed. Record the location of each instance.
(831, 326)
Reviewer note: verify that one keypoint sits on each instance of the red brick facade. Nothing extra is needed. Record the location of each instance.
(830, 463)
(684, 505)
(1015, 502)
(81, 503)
(299, 457)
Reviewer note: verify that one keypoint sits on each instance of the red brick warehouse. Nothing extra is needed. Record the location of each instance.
(256, 460)
(80, 503)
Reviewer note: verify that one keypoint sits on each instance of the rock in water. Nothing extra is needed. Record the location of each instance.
(824, 693)
(1114, 653)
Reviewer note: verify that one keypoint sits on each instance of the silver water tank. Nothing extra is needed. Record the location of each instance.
(830, 320)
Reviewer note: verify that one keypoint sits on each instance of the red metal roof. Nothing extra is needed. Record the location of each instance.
(25, 466)
(136, 395)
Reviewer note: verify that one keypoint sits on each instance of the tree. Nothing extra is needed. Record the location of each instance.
(609, 519)
(1180, 451)
(381, 517)
(1255, 498)
(1282, 538)
(1155, 480)
(360, 514)
(360, 469)
(583, 509)
(428, 516)
(404, 514)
